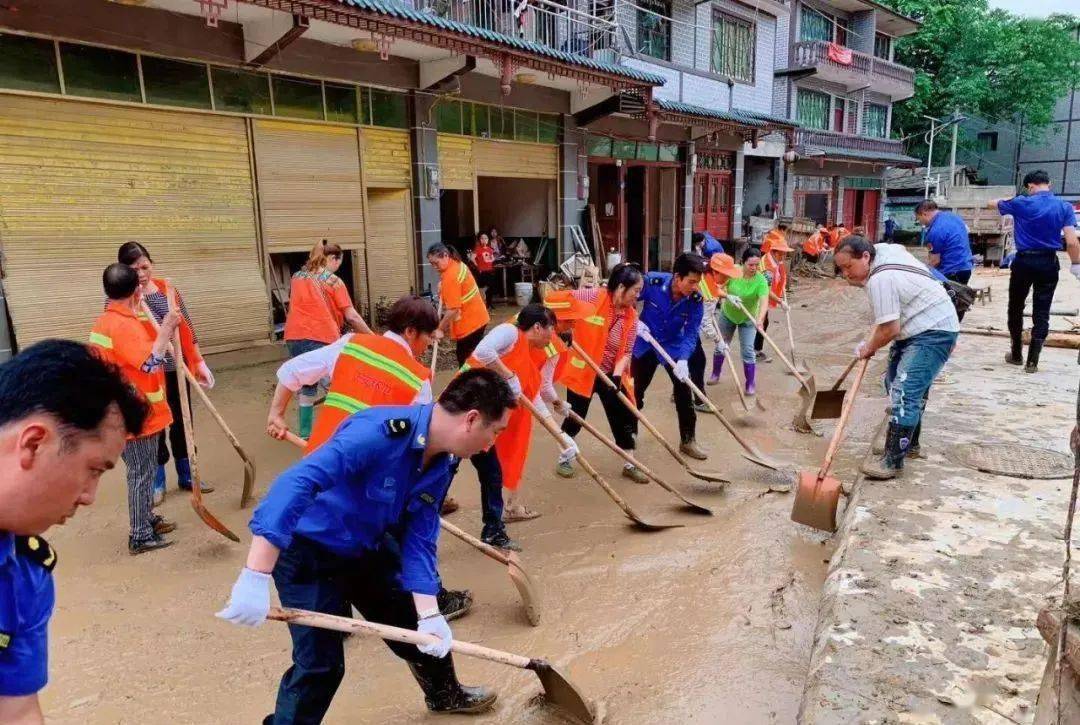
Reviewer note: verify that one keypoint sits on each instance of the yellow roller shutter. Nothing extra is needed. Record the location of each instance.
(390, 261)
(79, 179)
(386, 157)
(455, 161)
(309, 185)
(516, 160)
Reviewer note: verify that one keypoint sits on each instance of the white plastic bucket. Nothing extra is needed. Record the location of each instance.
(523, 292)
(613, 258)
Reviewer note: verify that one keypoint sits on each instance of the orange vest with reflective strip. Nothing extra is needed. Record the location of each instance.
(779, 278)
(556, 348)
(370, 370)
(474, 314)
(709, 286)
(591, 333)
(125, 339)
(814, 244)
(519, 359)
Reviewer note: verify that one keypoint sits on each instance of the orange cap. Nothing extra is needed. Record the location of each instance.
(775, 245)
(724, 264)
(565, 306)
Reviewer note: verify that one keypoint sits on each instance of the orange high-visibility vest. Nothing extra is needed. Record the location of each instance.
(709, 286)
(459, 290)
(591, 333)
(813, 244)
(124, 338)
(192, 358)
(371, 370)
(557, 349)
(512, 445)
(779, 278)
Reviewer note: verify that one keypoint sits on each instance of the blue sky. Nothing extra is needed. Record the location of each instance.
(1038, 9)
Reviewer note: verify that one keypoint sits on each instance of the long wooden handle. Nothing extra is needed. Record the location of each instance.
(845, 413)
(185, 401)
(395, 634)
(435, 347)
(629, 405)
(776, 348)
(612, 445)
(731, 366)
(787, 321)
(213, 411)
(295, 439)
(843, 375)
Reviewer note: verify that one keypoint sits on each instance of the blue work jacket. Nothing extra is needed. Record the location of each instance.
(27, 598)
(673, 324)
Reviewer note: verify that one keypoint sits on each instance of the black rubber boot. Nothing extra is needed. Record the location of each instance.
(891, 463)
(1034, 350)
(442, 691)
(454, 603)
(913, 449)
(1016, 351)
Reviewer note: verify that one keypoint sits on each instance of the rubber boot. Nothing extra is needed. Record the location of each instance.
(750, 371)
(159, 485)
(443, 692)
(717, 367)
(183, 474)
(891, 463)
(1016, 351)
(454, 603)
(1034, 350)
(307, 415)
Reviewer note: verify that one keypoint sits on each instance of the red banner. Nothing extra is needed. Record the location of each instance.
(839, 54)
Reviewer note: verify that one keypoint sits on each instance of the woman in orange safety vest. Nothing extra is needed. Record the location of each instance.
(465, 315)
(773, 250)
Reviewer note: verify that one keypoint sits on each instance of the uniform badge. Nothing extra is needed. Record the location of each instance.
(397, 427)
(5, 640)
(427, 498)
(37, 550)
(656, 281)
(696, 296)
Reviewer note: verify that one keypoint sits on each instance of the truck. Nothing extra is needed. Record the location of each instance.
(990, 233)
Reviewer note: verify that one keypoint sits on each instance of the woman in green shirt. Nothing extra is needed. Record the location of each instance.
(752, 289)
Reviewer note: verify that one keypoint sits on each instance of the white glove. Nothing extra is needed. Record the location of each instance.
(860, 350)
(784, 305)
(721, 344)
(643, 333)
(1075, 269)
(571, 450)
(250, 600)
(437, 626)
(682, 371)
(515, 386)
(207, 377)
(560, 406)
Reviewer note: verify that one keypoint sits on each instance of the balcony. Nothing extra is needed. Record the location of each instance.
(864, 70)
(824, 144)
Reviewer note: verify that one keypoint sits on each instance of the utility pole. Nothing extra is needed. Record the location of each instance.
(952, 155)
(929, 157)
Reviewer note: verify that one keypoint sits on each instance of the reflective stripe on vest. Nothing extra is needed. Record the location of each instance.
(96, 338)
(469, 295)
(595, 320)
(462, 272)
(383, 363)
(156, 396)
(557, 305)
(705, 291)
(577, 362)
(345, 403)
(550, 350)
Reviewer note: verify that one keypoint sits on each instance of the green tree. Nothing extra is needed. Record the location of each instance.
(986, 63)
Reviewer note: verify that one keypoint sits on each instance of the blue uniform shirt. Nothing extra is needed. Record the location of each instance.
(673, 324)
(947, 235)
(26, 604)
(1038, 220)
(363, 483)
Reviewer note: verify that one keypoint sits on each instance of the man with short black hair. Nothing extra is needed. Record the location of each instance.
(322, 533)
(914, 313)
(672, 310)
(64, 415)
(947, 238)
(1039, 220)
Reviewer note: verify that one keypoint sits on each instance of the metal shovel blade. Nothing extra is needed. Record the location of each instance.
(807, 393)
(816, 499)
(828, 404)
(208, 518)
(528, 593)
(560, 692)
(705, 475)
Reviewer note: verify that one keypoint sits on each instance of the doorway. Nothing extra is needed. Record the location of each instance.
(456, 218)
(635, 211)
(817, 208)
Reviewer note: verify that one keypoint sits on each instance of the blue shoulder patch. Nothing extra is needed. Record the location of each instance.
(397, 427)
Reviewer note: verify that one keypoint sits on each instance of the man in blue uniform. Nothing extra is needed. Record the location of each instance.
(1039, 221)
(671, 311)
(356, 523)
(64, 417)
(947, 237)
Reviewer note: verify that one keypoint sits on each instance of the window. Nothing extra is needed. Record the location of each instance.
(100, 72)
(647, 151)
(812, 109)
(599, 146)
(882, 46)
(669, 152)
(241, 92)
(987, 141)
(502, 123)
(28, 64)
(388, 109)
(875, 120)
(624, 149)
(175, 83)
(733, 47)
(654, 28)
(549, 129)
(341, 104)
(815, 25)
(297, 98)
(448, 116)
(525, 126)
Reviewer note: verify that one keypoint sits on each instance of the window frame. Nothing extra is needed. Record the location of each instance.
(878, 35)
(800, 93)
(720, 21)
(663, 29)
(884, 120)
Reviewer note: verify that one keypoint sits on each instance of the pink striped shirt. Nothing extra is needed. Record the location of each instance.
(611, 347)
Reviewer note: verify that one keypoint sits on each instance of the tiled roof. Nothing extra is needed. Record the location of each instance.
(404, 12)
(871, 156)
(687, 109)
(769, 118)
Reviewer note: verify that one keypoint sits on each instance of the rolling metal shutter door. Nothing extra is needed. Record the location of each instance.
(77, 180)
(455, 162)
(391, 262)
(386, 157)
(516, 160)
(309, 186)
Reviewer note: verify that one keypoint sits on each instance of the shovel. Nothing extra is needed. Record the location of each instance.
(696, 473)
(735, 375)
(818, 494)
(249, 465)
(558, 690)
(695, 507)
(518, 575)
(522, 582)
(829, 403)
(750, 452)
(790, 335)
(612, 493)
(185, 406)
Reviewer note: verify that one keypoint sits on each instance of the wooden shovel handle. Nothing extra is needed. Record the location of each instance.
(611, 445)
(843, 375)
(845, 413)
(185, 402)
(776, 348)
(295, 439)
(214, 412)
(731, 366)
(435, 346)
(395, 634)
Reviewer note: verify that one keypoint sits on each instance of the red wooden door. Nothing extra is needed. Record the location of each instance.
(871, 199)
(850, 200)
(701, 182)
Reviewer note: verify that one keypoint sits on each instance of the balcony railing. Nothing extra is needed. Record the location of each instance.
(542, 21)
(812, 140)
(813, 53)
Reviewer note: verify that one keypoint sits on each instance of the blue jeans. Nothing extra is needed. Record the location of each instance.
(913, 365)
(747, 333)
(299, 347)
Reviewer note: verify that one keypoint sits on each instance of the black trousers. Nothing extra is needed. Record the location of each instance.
(963, 277)
(1035, 272)
(465, 346)
(759, 339)
(697, 366)
(620, 420)
(308, 576)
(643, 368)
(177, 441)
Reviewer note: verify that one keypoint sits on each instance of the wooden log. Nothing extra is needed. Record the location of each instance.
(1067, 340)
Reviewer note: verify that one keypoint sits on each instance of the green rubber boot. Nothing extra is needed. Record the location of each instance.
(307, 415)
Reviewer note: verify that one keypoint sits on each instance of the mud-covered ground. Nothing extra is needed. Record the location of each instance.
(712, 622)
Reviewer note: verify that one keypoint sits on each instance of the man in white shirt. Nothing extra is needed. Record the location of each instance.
(914, 313)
